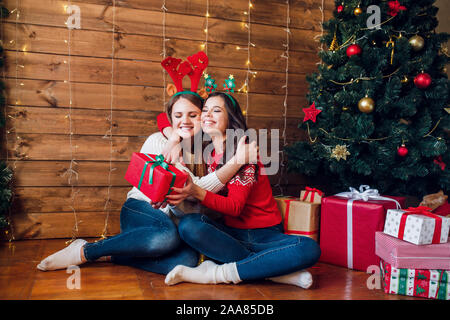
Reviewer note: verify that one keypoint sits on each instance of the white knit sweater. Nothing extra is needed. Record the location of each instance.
(155, 145)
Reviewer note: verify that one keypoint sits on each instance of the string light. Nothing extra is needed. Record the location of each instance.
(245, 87)
(164, 51)
(108, 134)
(285, 55)
(204, 46)
(70, 171)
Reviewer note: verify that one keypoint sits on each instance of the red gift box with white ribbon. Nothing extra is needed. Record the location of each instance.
(348, 223)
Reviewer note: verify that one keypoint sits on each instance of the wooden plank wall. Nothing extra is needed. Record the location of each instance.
(37, 45)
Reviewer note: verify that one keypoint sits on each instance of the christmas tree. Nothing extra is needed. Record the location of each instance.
(378, 110)
(5, 172)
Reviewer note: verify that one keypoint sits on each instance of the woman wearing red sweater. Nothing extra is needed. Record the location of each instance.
(250, 243)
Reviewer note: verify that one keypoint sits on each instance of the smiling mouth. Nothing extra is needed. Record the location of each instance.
(208, 122)
(186, 128)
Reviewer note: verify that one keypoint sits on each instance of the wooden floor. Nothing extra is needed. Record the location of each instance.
(19, 279)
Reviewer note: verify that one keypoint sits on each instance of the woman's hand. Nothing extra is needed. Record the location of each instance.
(190, 189)
(172, 149)
(246, 153)
(159, 205)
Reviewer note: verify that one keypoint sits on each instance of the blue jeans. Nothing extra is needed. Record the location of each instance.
(258, 253)
(148, 240)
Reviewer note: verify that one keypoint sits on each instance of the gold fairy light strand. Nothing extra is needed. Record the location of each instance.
(164, 51)
(363, 79)
(321, 8)
(285, 55)
(70, 171)
(204, 46)
(249, 43)
(107, 206)
(17, 85)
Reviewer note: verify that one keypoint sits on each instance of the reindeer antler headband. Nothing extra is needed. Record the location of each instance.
(177, 70)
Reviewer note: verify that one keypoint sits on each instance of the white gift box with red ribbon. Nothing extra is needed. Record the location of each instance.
(417, 225)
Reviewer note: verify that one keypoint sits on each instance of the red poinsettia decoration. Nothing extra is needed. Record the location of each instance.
(395, 7)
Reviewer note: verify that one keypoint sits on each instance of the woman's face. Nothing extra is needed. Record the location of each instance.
(185, 118)
(214, 116)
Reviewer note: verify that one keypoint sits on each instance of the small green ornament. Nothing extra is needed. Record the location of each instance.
(210, 84)
(229, 84)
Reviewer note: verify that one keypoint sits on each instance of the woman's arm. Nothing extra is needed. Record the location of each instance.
(164, 125)
(233, 204)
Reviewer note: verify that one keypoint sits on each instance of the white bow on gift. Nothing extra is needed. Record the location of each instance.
(365, 194)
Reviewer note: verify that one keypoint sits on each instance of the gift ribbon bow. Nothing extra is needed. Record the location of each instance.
(158, 161)
(314, 191)
(365, 194)
(422, 211)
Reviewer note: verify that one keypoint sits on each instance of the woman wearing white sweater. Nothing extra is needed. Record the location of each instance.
(149, 237)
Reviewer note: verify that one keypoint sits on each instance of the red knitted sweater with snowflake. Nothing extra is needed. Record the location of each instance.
(249, 203)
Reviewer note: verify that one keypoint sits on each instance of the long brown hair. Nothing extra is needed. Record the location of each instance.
(198, 169)
(236, 121)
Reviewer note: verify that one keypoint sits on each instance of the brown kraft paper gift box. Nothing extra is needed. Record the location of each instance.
(299, 218)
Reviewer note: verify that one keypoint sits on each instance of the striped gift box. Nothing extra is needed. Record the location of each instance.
(432, 284)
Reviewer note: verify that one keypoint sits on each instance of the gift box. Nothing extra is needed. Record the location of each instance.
(299, 218)
(311, 195)
(443, 210)
(402, 254)
(154, 177)
(433, 284)
(348, 222)
(417, 225)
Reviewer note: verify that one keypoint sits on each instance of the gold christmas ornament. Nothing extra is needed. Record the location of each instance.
(334, 46)
(416, 42)
(357, 11)
(340, 152)
(391, 43)
(366, 105)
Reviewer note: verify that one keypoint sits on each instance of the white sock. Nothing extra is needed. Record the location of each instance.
(300, 278)
(69, 256)
(207, 272)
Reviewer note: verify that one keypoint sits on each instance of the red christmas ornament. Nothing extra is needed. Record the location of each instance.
(311, 113)
(340, 8)
(353, 49)
(402, 151)
(422, 80)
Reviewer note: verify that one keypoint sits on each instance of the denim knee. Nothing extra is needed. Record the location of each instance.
(162, 242)
(309, 251)
(189, 227)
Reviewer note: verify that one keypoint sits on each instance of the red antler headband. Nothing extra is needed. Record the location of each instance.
(194, 68)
